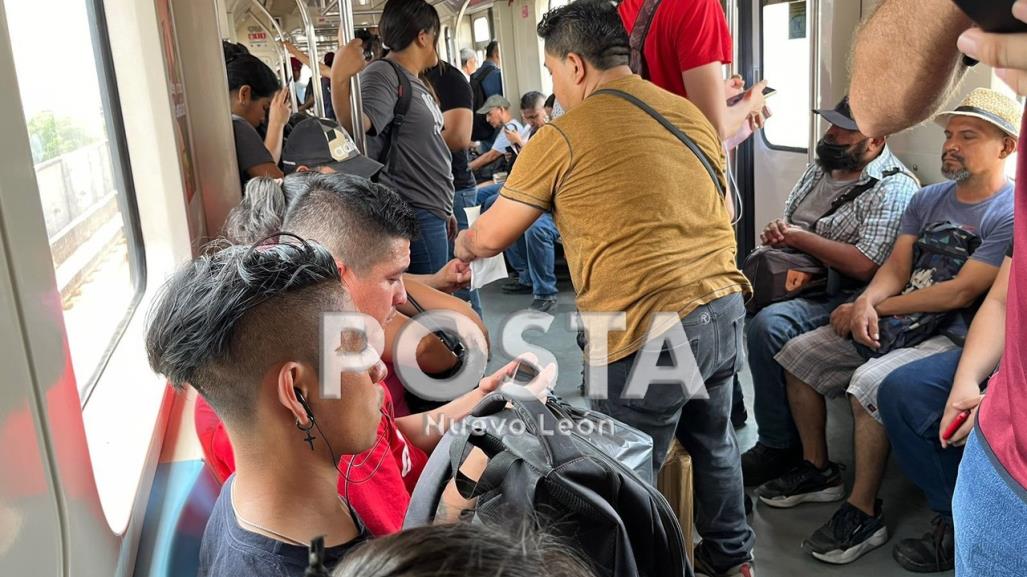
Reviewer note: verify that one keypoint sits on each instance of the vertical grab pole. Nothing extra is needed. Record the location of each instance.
(315, 62)
(356, 107)
(285, 53)
(813, 32)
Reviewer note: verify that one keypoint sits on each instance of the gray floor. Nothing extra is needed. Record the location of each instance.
(778, 532)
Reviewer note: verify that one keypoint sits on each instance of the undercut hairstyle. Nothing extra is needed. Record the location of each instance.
(532, 99)
(355, 218)
(244, 69)
(463, 550)
(263, 207)
(592, 29)
(224, 319)
(403, 20)
(492, 49)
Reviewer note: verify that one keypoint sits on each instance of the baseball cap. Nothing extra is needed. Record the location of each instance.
(494, 101)
(840, 115)
(318, 142)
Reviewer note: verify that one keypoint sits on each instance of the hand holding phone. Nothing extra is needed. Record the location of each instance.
(767, 92)
(955, 424)
(993, 15)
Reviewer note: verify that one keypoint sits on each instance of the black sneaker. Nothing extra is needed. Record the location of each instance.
(514, 287)
(932, 553)
(703, 568)
(543, 305)
(762, 463)
(848, 535)
(803, 484)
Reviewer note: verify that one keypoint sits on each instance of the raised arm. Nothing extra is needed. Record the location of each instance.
(348, 63)
(905, 63)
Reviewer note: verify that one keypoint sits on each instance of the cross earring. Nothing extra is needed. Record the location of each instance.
(306, 429)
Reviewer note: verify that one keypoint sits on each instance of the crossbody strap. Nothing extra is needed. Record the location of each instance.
(684, 138)
(404, 94)
(855, 192)
(639, 32)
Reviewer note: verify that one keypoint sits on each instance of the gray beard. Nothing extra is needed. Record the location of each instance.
(958, 176)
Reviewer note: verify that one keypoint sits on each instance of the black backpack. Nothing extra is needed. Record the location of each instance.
(481, 129)
(405, 94)
(544, 466)
(938, 255)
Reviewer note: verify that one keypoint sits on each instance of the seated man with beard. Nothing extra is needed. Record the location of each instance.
(854, 240)
(952, 240)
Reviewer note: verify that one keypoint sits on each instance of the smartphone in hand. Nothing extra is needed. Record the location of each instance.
(993, 15)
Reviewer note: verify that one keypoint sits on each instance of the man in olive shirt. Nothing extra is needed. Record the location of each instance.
(646, 233)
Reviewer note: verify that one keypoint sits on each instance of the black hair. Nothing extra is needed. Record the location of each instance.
(492, 49)
(223, 319)
(354, 217)
(531, 100)
(591, 29)
(463, 550)
(403, 20)
(550, 102)
(329, 59)
(244, 69)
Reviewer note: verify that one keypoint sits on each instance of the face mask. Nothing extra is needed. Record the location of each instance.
(831, 156)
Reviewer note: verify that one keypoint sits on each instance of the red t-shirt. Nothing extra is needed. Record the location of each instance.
(684, 34)
(1003, 415)
(377, 483)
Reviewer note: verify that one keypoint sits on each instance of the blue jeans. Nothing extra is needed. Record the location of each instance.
(702, 425)
(766, 333)
(540, 243)
(990, 513)
(517, 254)
(461, 199)
(911, 401)
(429, 252)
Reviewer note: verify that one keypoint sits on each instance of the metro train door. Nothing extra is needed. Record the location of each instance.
(801, 48)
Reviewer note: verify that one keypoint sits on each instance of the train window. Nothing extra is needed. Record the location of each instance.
(74, 126)
(786, 54)
(554, 4)
(481, 29)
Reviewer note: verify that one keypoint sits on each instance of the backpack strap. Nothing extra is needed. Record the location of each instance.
(684, 138)
(855, 192)
(639, 32)
(404, 95)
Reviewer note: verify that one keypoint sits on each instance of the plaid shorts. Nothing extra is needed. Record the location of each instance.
(832, 366)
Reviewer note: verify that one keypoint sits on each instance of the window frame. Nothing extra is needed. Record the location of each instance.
(121, 172)
(763, 133)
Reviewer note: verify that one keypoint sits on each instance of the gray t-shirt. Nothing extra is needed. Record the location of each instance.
(818, 201)
(991, 219)
(249, 148)
(419, 169)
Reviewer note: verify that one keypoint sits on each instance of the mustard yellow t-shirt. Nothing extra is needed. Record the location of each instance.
(644, 228)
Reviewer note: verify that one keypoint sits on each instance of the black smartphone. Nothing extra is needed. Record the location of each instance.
(525, 373)
(993, 15)
(767, 92)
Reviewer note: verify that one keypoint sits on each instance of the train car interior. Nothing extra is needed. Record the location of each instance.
(119, 164)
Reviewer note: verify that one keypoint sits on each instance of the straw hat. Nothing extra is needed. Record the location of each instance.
(990, 106)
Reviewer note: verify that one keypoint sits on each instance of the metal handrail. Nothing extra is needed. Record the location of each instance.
(315, 62)
(356, 107)
(813, 31)
(284, 54)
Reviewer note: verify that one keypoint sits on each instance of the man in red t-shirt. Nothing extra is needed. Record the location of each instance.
(685, 51)
(907, 58)
(368, 229)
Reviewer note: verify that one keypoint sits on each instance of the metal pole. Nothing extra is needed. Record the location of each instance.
(283, 61)
(329, 7)
(356, 107)
(315, 62)
(813, 32)
(281, 39)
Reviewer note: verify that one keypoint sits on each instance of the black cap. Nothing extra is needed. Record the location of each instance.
(318, 142)
(840, 116)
